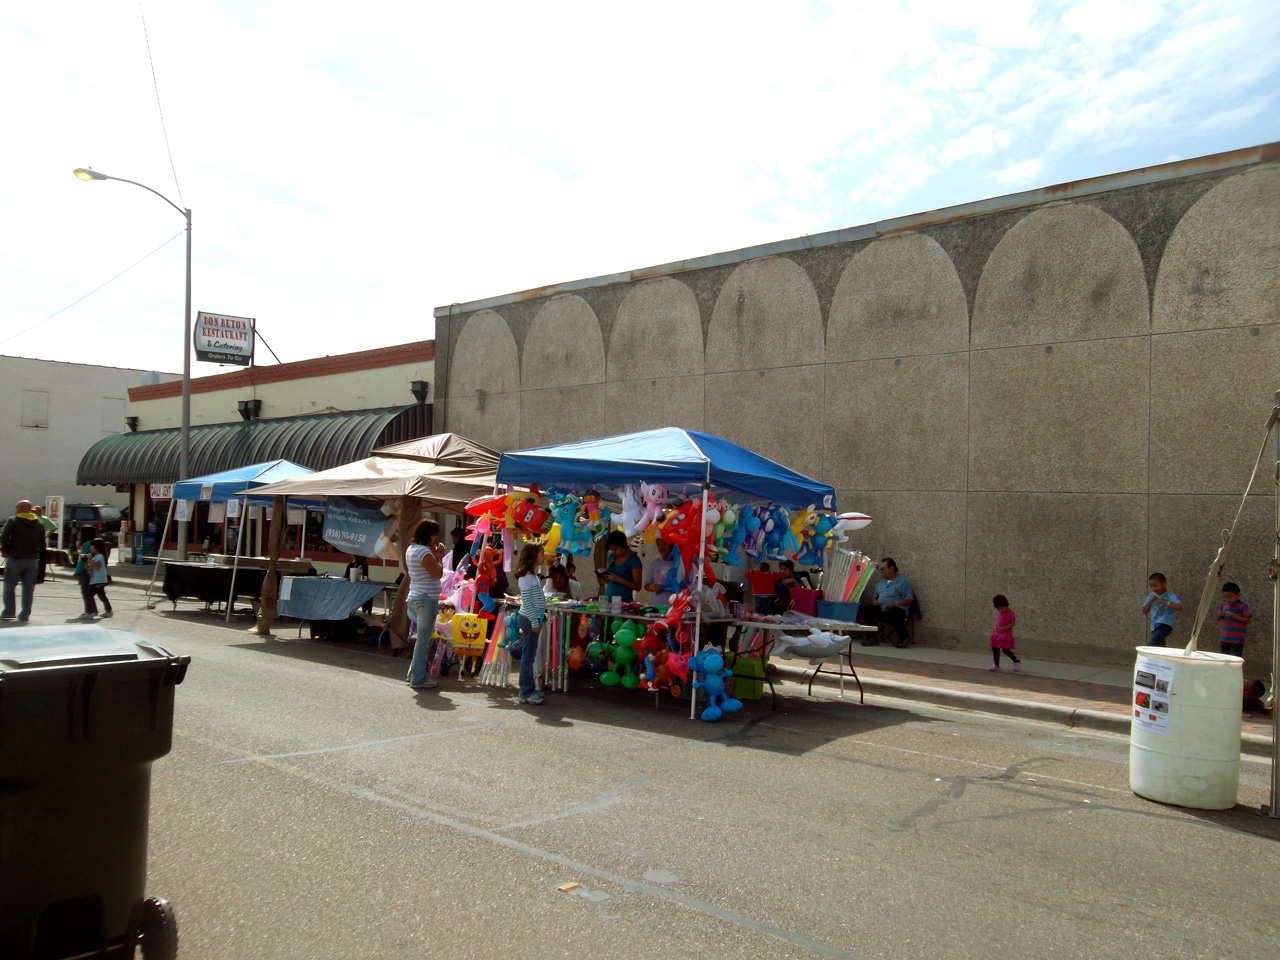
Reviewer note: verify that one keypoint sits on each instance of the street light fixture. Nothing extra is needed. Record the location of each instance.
(184, 450)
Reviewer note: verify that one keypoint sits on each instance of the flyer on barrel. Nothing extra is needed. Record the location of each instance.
(1152, 681)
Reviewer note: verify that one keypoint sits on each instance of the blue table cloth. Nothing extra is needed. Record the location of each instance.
(321, 598)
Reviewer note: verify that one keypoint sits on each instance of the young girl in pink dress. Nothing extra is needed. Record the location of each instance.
(1002, 635)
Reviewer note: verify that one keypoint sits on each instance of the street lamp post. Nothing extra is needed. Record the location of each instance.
(184, 449)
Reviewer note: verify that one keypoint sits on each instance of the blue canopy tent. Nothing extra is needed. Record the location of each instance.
(234, 484)
(670, 456)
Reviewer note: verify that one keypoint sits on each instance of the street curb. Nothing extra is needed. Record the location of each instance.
(1097, 720)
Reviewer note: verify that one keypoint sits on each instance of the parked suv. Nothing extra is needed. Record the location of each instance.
(104, 519)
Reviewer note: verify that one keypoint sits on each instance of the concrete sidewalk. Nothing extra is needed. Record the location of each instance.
(1075, 695)
(1089, 696)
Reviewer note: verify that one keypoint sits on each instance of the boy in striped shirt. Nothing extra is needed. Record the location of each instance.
(1234, 615)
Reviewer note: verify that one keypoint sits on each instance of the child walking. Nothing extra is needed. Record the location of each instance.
(533, 607)
(1161, 605)
(98, 552)
(82, 573)
(1002, 635)
(1234, 615)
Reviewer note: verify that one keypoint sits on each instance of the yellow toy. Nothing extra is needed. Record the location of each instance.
(469, 633)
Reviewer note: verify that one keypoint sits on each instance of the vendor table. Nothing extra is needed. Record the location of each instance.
(751, 638)
(323, 598)
(210, 582)
(790, 622)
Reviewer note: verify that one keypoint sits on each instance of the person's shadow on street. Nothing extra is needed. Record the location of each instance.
(431, 700)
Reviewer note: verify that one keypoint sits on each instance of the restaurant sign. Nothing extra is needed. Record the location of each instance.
(224, 339)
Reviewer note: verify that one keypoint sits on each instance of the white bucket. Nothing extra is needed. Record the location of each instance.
(1184, 739)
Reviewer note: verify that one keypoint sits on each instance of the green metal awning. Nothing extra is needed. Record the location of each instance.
(318, 441)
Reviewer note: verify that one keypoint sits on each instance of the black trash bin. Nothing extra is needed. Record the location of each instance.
(83, 713)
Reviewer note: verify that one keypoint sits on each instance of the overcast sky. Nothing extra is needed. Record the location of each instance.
(352, 166)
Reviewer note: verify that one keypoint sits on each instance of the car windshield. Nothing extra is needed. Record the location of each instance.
(110, 514)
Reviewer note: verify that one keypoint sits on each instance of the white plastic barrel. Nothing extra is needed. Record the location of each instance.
(1184, 740)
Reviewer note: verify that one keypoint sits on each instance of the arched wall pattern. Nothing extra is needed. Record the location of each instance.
(1221, 266)
(1215, 313)
(765, 362)
(562, 374)
(899, 296)
(655, 360)
(1064, 272)
(485, 358)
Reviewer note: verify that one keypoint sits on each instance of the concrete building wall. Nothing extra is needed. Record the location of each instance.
(1045, 396)
(50, 413)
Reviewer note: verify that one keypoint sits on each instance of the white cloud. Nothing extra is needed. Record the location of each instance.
(349, 172)
(1020, 174)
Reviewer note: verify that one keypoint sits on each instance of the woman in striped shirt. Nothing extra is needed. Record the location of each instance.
(422, 560)
(533, 606)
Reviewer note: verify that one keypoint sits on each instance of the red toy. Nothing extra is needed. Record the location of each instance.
(681, 528)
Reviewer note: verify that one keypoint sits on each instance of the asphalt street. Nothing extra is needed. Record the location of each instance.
(313, 806)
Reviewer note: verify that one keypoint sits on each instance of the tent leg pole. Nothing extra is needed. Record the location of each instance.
(697, 623)
(159, 550)
(235, 563)
(1271, 809)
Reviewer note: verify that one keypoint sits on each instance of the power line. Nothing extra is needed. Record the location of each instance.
(95, 289)
(159, 108)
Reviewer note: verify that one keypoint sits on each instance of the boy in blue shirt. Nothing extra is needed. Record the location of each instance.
(1161, 605)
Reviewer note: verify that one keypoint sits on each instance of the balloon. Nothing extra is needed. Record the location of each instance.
(575, 658)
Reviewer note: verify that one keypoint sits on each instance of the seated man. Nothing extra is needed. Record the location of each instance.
(890, 605)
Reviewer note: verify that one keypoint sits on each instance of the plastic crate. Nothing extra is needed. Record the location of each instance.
(835, 610)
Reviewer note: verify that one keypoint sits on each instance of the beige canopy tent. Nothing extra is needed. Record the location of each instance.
(445, 472)
(437, 474)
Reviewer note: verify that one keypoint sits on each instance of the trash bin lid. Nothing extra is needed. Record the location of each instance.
(29, 648)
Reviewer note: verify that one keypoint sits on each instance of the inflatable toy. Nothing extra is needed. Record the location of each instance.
(623, 656)
(652, 494)
(709, 665)
(849, 521)
(815, 646)
(574, 537)
(633, 515)
(469, 633)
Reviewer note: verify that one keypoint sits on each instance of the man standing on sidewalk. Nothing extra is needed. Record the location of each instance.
(22, 541)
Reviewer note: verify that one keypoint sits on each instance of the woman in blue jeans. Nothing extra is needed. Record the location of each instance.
(422, 560)
(533, 607)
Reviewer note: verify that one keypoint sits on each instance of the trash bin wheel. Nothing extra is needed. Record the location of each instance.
(158, 934)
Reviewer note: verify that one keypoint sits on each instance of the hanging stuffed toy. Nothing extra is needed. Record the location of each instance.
(753, 520)
(574, 538)
(681, 528)
(524, 514)
(633, 514)
(653, 494)
(820, 536)
(714, 683)
(486, 577)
